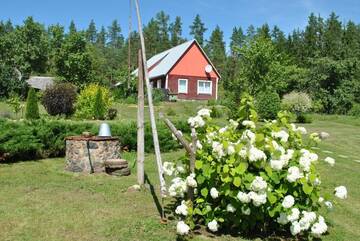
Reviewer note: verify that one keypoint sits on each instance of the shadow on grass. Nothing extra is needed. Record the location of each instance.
(153, 194)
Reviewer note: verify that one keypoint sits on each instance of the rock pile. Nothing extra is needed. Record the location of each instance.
(117, 167)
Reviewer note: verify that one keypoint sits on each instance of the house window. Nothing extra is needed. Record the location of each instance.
(204, 87)
(182, 86)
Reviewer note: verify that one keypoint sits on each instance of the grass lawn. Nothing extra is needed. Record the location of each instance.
(40, 201)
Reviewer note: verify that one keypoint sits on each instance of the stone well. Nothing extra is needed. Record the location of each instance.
(88, 153)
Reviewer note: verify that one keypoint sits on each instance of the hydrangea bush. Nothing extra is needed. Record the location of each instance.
(251, 177)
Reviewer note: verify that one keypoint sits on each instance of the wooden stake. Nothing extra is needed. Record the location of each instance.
(140, 122)
(151, 107)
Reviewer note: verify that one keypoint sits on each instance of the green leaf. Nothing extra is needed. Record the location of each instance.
(237, 181)
(204, 192)
(271, 197)
(268, 170)
(226, 169)
(198, 164)
(241, 168)
(200, 179)
(307, 189)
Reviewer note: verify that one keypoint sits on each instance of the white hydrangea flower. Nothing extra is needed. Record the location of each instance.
(288, 201)
(249, 124)
(330, 160)
(317, 182)
(295, 214)
(302, 130)
(319, 227)
(286, 157)
(315, 137)
(258, 184)
(243, 197)
(198, 145)
(307, 219)
(341, 192)
(196, 121)
(256, 154)
(276, 165)
(321, 199)
(257, 199)
(222, 130)
(294, 174)
(214, 193)
(177, 188)
(245, 210)
(190, 180)
(328, 204)
(213, 226)
(204, 112)
(282, 219)
(282, 135)
(168, 168)
(249, 136)
(182, 228)
(233, 123)
(180, 167)
(182, 209)
(295, 228)
(230, 208)
(218, 149)
(230, 150)
(243, 153)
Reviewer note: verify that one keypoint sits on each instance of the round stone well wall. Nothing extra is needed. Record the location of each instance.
(88, 154)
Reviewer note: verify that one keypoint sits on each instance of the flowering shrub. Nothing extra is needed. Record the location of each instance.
(250, 178)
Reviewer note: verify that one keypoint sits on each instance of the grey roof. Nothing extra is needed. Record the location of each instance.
(40, 82)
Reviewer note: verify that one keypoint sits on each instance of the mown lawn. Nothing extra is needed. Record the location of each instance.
(40, 201)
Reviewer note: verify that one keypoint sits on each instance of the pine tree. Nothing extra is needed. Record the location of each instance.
(279, 39)
(198, 30)
(72, 27)
(216, 48)
(99, 110)
(311, 37)
(237, 39)
(176, 31)
(101, 37)
(32, 108)
(264, 31)
(250, 32)
(333, 37)
(116, 40)
(151, 35)
(351, 40)
(162, 20)
(91, 32)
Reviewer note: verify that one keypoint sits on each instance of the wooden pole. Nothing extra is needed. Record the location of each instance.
(151, 107)
(140, 122)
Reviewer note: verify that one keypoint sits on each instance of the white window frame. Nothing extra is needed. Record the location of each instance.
(187, 81)
(204, 93)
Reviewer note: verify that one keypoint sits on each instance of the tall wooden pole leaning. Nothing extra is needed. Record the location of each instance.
(140, 122)
(151, 108)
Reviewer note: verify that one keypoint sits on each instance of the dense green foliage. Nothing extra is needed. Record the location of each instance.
(93, 102)
(321, 60)
(23, 140)
(32, 107)
(59, 99)
(267, 104)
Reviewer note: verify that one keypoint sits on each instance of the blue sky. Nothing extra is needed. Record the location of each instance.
(288, 14)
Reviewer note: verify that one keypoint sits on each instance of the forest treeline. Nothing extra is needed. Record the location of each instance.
(323, 59)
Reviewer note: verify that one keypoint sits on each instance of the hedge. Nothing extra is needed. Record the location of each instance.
(26, 140)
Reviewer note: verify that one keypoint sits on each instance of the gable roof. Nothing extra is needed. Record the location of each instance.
(40, 82)
(160, 64)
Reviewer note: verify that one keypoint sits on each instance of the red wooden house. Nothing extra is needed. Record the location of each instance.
(185, 71)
